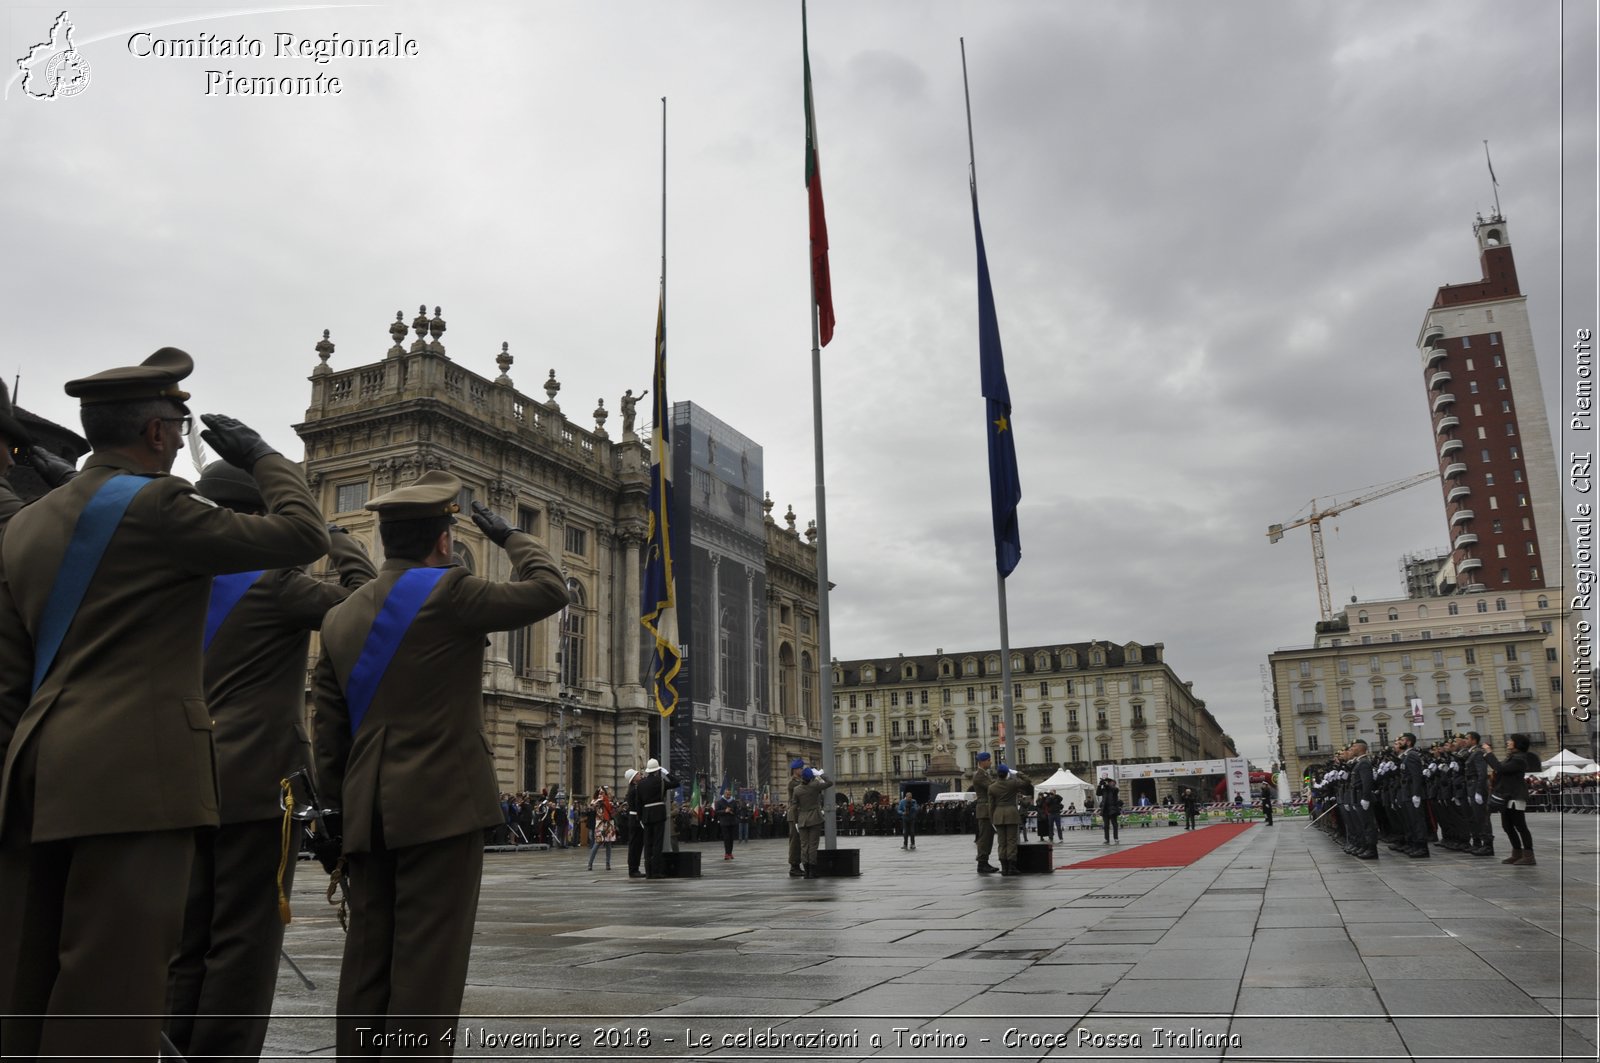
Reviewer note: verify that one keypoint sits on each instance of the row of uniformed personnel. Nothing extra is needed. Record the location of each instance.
(1402, 795)
(151, 642)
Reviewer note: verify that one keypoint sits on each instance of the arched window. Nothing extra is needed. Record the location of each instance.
(1361, 617)
(1455, 610)
(1499, 605)
(1483, 606)
(1544, 602)
(461, 554)
(574, 624)
(1394, 614)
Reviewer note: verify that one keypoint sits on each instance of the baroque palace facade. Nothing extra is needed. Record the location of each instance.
(564, 702)
(905, 720)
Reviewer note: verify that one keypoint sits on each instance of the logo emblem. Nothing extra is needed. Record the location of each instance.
(54, 69)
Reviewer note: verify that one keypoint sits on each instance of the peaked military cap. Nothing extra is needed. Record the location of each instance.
(222, 482)
(10, 427)
(156, 377)
(433, 495)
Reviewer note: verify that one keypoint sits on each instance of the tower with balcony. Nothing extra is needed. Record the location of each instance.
(1497, 462)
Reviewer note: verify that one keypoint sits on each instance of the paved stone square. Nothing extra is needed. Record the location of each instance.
(1276, 946)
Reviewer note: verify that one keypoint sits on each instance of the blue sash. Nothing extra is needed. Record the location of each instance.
(90, 536)
(383, 641)
(225, 594)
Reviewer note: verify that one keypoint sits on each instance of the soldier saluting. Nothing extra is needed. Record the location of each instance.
(401, 751)
(99, 581)
(981, 781)
(258, 631)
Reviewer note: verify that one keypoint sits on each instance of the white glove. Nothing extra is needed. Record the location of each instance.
(1416, 802)
(1477, 799)
(1365, 804)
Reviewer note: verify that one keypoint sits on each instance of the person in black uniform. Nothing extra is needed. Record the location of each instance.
(1267, 794)
(1110, 801)
(1191, 808)
(1412, 794)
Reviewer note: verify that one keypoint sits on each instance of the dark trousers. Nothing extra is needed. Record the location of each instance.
(1188, 819)
(1108, 821)
(728, 832)
(1417, 829)
(88, 927)
(635, 842)
(910, 827)
(412, 912)
(654, 838)
(985, 837)
(1514, 821)
(220, 988)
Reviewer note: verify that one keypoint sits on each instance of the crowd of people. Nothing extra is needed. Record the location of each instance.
(1410, 799)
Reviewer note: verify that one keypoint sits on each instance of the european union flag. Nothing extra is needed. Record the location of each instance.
(1005, 488)
(660, 603)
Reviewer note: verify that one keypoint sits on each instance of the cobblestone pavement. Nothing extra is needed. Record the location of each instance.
(1276, 946)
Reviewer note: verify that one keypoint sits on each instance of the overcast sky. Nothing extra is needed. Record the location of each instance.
(1213, 229)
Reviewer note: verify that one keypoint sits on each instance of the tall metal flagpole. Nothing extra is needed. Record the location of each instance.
(1006, 753)
(824, 640)
(669, 840)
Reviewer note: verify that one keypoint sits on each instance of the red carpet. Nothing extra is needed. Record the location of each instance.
(1180, 851)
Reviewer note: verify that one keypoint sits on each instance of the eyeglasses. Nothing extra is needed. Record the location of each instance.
(185, 424)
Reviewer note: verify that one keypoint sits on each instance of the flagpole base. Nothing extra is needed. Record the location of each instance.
(684, 863)
(839, 863)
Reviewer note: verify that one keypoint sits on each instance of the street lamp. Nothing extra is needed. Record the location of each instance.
(562, 736)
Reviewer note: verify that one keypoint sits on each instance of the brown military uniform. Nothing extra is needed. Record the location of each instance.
(223, 979)
(981, 781)
(109, 766)
(807, 812)
(1007, 816)
(417, 787)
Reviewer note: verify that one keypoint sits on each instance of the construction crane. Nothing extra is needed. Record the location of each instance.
(1275, 531)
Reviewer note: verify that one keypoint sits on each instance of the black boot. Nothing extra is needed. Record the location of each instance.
(986, 868)
(794, 871)
(811, 871)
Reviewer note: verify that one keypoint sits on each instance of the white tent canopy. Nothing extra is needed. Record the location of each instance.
(1567, 757)
(1071, 788)
(1567, 769)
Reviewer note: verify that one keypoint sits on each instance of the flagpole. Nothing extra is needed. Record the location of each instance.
(669, 840)
(1007, 708)
(824, 640)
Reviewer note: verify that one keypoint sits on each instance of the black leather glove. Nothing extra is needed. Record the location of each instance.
(491, 523)
(337, 529)
(53, 470)
(234, 442)
(327, 844)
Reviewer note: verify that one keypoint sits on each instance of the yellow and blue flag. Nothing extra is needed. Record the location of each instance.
(1005, 488)
(660, 592)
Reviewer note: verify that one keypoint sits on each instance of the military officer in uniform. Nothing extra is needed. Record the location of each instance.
(1475, 772)
(653, 786)
(258, 630)
(103, 591)
(1363, 829)
(807, 815)
(1005, 815)
(1412, 794)
(981, 780)
(401, 751)
(635, 829)
(796, 766)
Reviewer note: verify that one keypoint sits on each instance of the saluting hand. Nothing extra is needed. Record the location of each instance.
(491, 523)
(53, 470)
(234, 441)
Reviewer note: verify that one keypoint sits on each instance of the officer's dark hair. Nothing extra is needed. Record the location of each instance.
(1409, 737)
(1362, 742)
(411, 540)
(1519, 740)
(118, 424)
(1475, 736)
